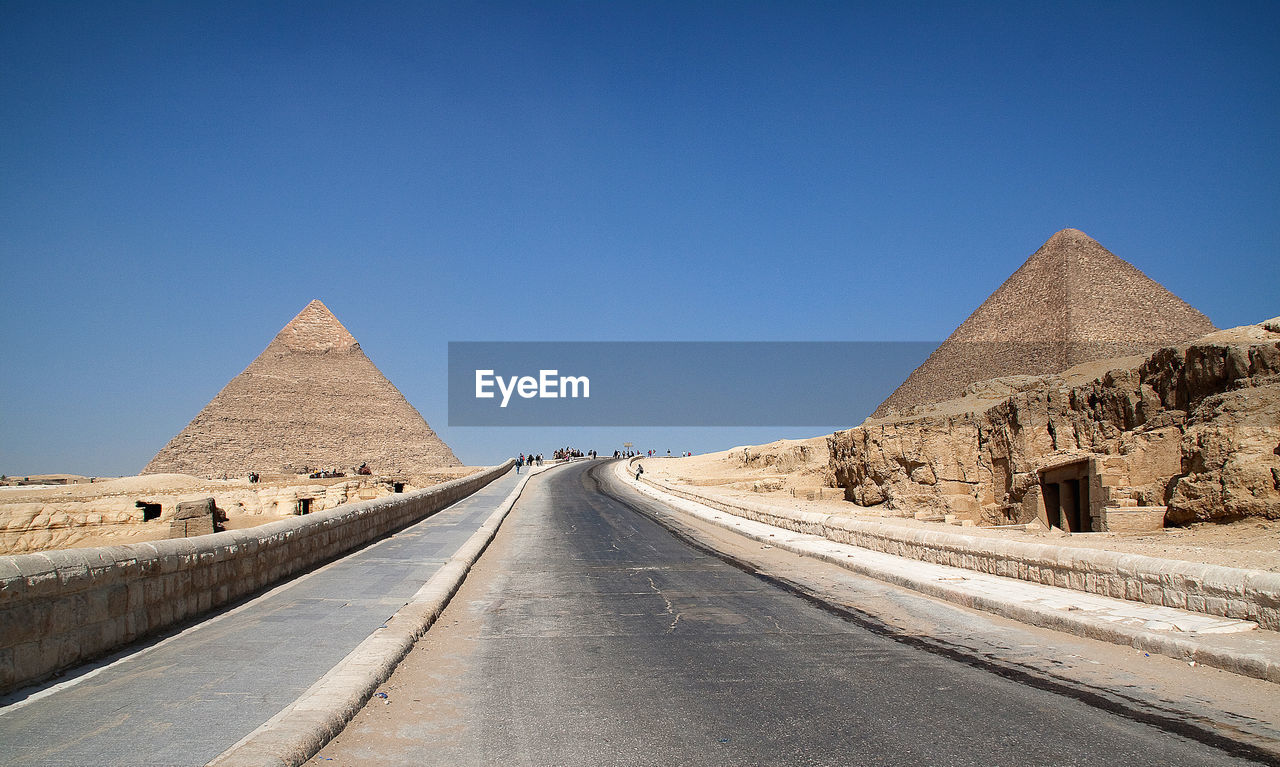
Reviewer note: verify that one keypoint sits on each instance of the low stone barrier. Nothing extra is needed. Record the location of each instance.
(61, 608)
(1227, 591)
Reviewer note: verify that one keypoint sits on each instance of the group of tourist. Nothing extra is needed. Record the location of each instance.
(647, 454)
(562, 454)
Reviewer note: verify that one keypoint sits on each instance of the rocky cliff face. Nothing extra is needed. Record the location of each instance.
(1194, 428)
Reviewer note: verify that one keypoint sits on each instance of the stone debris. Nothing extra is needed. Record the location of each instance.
(314, 399)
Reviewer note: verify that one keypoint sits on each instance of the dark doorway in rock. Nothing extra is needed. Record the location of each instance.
(1052, 504)
(1066, 497)
(399, 487)
(304, 505)
(150, 511)
(1070, 499)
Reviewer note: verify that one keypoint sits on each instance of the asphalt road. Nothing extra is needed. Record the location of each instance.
(590, 635)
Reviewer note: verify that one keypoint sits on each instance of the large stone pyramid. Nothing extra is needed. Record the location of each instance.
(1072, 301)
(311, 399)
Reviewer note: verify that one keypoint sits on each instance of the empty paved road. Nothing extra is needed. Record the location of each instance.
(589, 635)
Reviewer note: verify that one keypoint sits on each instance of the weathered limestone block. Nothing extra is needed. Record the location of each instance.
(200, 517)
(907, 468)
(1137, 519)
(1231, 458)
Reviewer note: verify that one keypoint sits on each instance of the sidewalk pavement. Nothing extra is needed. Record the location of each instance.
(1235, 645)
(187, 698)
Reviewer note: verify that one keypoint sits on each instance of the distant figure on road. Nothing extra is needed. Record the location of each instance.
(519, 463)
(639, 470)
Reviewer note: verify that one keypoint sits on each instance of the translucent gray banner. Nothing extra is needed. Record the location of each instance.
(673, 383)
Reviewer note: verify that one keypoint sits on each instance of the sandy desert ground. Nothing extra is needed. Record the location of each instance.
(106, 512)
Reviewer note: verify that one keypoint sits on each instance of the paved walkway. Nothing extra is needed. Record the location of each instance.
(186, 699)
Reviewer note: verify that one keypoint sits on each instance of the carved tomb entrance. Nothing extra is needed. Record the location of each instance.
(1067, 496)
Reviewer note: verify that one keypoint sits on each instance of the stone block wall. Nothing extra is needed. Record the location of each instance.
(62, 608)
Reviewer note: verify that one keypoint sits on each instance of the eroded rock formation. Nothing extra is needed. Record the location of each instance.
(1190, 432)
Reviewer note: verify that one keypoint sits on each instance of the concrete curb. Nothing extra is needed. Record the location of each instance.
(1230, 592)
(1186, 648)
(294, 735)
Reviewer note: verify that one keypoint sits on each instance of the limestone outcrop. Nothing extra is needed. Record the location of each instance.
(1189, 433)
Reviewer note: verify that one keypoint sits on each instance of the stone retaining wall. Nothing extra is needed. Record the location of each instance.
(61, 608)
(1227, 591)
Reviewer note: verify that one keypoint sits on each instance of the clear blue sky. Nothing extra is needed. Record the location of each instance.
(177, 180)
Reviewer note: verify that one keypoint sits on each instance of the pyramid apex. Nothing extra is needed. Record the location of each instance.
(1068, 238)
(315, 330)
(1068, 249)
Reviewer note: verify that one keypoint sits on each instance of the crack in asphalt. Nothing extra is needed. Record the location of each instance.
(670, 608)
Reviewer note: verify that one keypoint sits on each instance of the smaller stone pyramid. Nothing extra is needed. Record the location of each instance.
(311, 399)
(1073, 301)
